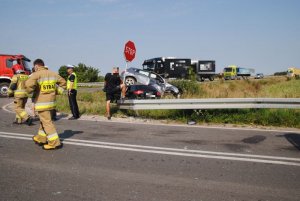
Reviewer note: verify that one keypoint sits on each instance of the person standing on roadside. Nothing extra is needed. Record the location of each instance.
(44, 84)
(72, 92)
(113, 86)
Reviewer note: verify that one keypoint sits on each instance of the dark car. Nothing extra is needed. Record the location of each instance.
(142, 92)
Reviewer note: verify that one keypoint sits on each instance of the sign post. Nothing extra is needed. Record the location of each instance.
(129, 54)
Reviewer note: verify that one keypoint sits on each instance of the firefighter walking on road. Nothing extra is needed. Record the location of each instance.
(44, 84)
(17, 90)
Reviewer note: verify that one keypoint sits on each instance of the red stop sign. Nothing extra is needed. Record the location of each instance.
(129, 51)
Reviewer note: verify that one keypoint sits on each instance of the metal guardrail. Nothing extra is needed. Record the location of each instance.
(91, 84)
(216, 103)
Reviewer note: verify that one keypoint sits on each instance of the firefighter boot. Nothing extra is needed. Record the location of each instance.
(17, 121)
(29, 121)
(39, 140)
(54, 144)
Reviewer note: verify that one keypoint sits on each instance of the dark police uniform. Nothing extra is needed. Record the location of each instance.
(73, 94)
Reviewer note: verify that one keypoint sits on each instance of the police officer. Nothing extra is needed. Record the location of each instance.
(44, 84)
(72, 92)
(17, 89)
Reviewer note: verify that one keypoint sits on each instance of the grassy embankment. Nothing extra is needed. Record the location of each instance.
(273, 87)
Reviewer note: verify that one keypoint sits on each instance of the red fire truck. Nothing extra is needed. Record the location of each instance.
(7, 64)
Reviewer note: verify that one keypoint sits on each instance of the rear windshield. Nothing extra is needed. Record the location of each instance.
(148, 65)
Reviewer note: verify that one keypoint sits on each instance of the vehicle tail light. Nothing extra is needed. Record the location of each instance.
(158, 93)
(138, 92)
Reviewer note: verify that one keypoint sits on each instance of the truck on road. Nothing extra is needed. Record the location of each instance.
(171, 67)
(204, 69)
(234, 72)
(293, 72)
(168, 67)
(7, 64)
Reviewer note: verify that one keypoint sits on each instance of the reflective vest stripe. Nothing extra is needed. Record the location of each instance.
(52, 137)
(23, 77)
(47, 79)
(42, 133)
(45, 105)
(20, 92)
(74, 83)
(47, 84)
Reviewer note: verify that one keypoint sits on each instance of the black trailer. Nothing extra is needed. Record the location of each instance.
(168, 67)
(204, 69)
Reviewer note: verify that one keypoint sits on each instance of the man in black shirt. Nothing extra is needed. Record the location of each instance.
(113, 86)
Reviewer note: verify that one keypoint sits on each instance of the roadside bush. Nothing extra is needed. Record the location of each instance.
(189, 88)
(84, 73)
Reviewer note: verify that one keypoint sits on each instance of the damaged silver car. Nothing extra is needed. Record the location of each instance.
(135, 76)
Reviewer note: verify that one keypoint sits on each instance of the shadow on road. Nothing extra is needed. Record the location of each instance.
(68, 134)
(292, 138)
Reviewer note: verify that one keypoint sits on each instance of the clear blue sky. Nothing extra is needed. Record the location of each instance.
(261, 34)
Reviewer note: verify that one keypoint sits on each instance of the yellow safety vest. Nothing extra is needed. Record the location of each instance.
(75, 82)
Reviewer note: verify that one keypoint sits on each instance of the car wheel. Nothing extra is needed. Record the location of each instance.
(211, 78)
(4, 89)
(130, 81)
(177, 95)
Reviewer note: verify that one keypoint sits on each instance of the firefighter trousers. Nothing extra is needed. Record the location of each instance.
(21, 114)
(47, 130)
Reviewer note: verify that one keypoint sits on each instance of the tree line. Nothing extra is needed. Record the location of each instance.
(84, 73)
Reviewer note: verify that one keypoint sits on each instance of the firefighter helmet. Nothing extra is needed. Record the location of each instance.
(17, 68)
(20, 71)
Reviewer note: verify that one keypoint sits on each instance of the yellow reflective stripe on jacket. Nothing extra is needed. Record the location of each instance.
(47, 84)
(74, 83)
(52, 137)
(45, 105)
(20, 92)
(23, 77)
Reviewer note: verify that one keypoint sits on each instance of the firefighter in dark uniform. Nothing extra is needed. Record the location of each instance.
(72, 92)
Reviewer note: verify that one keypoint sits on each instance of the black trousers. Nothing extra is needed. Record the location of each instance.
(73, 103)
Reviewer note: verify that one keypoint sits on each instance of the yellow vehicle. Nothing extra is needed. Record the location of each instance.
(234, 72)
(293, 72)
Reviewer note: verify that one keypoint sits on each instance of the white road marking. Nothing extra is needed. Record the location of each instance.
(169, 151)
(194, 126)
(5, 108)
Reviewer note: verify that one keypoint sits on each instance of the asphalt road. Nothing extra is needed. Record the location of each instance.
(128, 161)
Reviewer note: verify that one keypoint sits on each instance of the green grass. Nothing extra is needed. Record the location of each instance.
(275, 87)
